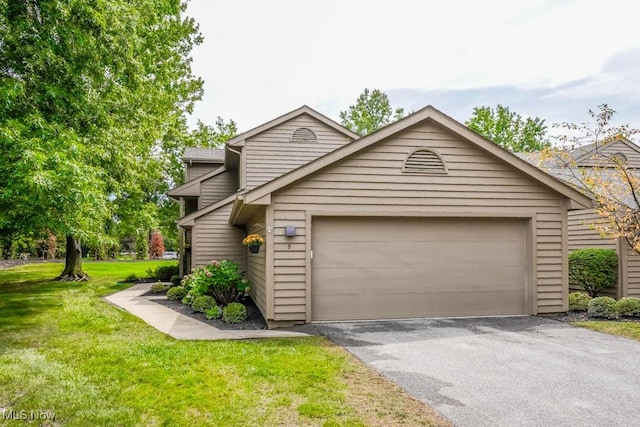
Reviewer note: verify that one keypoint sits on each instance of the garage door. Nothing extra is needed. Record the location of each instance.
(382, 268)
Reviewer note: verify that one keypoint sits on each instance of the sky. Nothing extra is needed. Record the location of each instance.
(553, 59)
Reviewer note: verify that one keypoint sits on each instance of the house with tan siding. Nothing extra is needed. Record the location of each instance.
(582, 233)
(423, 218)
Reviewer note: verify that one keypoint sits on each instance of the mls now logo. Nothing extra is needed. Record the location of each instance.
(27, 415)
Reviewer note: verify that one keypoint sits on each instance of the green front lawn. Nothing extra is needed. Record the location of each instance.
(65, 350)
(623, 329)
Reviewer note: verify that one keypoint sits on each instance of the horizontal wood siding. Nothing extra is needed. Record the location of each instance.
(256, 266)
(582, 235)
(196, 170)
(271, 154)
(289, 265)
(216, 239)
(633, 272)
(372, 183)
(633, 156)
(216, 188)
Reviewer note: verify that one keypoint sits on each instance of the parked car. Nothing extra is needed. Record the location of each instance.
(170, 255)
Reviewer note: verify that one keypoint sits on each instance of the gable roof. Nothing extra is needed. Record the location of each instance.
(427, 113)
(203, 155)
(604, 181)
(192, 188)
(585, 151)
(239, 139)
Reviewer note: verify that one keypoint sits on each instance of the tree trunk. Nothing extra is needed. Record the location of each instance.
(73, 262)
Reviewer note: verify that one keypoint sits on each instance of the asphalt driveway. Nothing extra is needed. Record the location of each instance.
(508, 371)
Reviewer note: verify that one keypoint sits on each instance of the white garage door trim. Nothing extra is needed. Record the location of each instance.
(528, 222)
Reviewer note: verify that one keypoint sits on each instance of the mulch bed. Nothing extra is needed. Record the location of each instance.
(581, 316)
(254, 317)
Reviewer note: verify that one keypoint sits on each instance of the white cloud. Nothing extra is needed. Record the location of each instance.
(261, 59)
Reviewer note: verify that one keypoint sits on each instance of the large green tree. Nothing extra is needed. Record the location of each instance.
(371, 112)
(88, 90)
(509, 129)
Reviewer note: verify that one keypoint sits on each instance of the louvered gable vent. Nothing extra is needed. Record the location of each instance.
(303, 135)
(424, 161)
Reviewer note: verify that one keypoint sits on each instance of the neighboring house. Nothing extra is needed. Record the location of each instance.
(201, 166)
(422, 218)
(582, 234)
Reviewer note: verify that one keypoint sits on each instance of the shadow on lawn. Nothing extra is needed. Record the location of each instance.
(24, 304)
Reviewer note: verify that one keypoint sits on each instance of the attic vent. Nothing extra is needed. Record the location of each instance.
(620, 158)
(425, 161)
(303, 135)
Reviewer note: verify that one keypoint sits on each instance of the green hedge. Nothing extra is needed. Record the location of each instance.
(579, 301)
(603, 307)
(593, 269)
(629, 306)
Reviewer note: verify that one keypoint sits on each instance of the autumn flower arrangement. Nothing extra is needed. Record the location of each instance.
(253, 240)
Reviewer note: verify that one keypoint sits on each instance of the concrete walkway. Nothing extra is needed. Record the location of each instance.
(178, 325)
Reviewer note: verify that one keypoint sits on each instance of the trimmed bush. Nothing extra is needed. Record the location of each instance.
(176, 293)
(234, 313)
(203, 303)
(593, 269)
(629, 306)
(214, 312)
(159, 288)
(164, 272)
(603, 307)
(578, 301)
(176, 280)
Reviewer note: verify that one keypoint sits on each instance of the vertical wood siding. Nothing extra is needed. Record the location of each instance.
(217, 239)
(372, 182)
(216, 188)
(256, 265)
(270, 154)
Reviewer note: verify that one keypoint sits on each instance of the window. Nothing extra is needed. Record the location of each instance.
(303, 135)
(424, 161)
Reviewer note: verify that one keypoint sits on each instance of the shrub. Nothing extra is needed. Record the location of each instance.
(131, 278)
(202, 303)
(593, 269)
(164, 272)
(176, 280)
(219, 279)
(158, 288)
(213, 312)
(234, 313)
(578, 301)
(629, 306)
(176, 293)
(603, 307)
